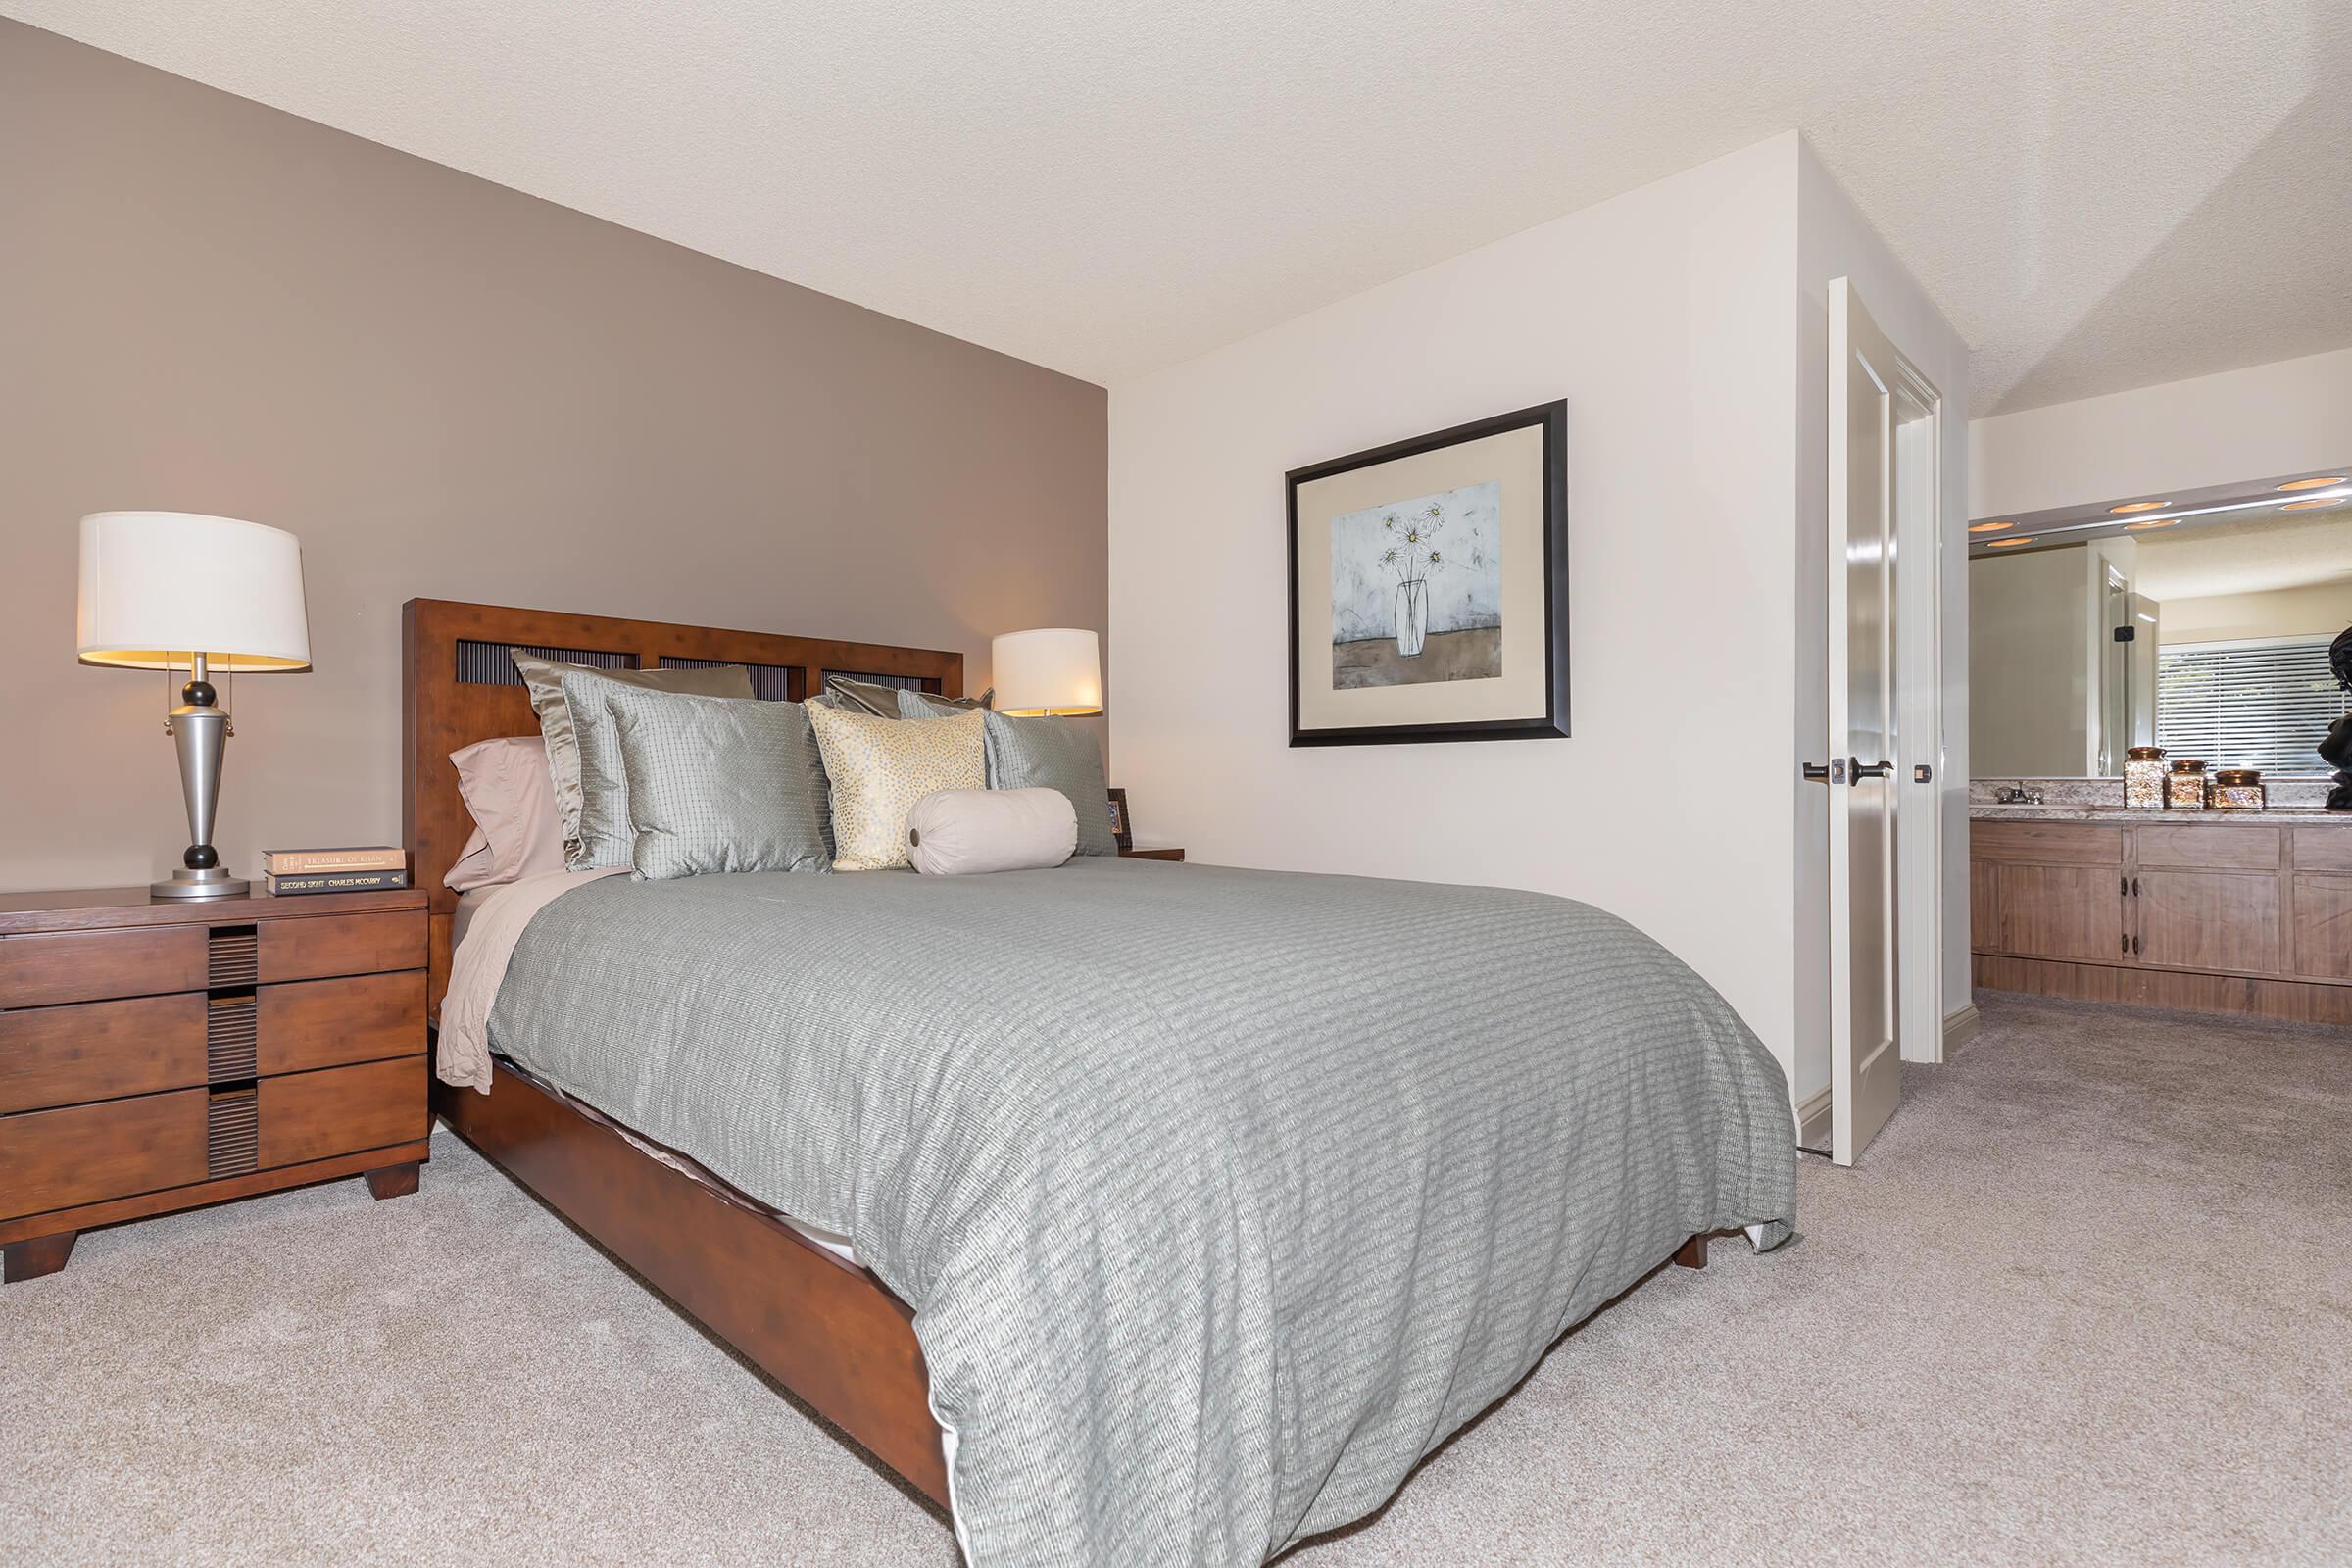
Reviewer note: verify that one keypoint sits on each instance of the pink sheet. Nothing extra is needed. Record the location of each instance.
(479, 965)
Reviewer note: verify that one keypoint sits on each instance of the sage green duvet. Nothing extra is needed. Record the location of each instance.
(1221, 1197)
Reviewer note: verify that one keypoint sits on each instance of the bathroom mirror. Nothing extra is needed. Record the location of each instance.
(2198, 623)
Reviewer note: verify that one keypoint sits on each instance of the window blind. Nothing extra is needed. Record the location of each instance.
(2259, 704)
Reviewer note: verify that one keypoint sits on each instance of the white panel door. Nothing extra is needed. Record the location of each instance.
(1865, 1064)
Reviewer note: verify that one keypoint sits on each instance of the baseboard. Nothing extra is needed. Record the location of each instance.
(1961, 1026)
(1813, 1118)
(2246, 996)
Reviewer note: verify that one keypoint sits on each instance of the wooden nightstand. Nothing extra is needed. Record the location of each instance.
(156, 1055)
(1152, 855)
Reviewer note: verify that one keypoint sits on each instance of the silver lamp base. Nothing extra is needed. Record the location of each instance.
(199, 732)
(211, 883)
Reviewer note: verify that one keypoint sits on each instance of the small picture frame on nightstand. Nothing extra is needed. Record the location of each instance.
(1122, 826)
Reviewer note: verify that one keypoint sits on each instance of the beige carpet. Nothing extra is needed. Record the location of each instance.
(2086, 1301)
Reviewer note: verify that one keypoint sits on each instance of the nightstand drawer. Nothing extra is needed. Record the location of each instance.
(84, 1153)
(53, 1160)
(101, 1051)
(310, 1116)
(348, 944)
(46, 967)
(86, 1051)
(325, 1023)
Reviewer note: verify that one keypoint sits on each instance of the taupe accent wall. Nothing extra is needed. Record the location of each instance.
(452, 390)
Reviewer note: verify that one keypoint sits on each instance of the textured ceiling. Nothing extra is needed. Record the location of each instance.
(2101, 193)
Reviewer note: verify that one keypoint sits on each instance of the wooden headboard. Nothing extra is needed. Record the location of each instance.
(459, 686)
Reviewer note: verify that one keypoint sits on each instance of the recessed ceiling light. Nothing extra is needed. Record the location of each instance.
(2004, 544)
(2139, 505)
(2306, 506)
(2152, 522)
(2313, 484)
(1989, 527)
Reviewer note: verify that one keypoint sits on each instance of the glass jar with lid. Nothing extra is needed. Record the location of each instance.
(2185, 785)
(2235, 789)
(2143, 778)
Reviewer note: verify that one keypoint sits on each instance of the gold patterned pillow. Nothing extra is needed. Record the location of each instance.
(881, 766)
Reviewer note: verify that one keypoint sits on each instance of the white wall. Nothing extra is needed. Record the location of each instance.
(2029, 623)
(1836, 240)
(1665, 319)
(2283, 417)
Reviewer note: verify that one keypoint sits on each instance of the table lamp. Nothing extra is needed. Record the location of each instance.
(1054, 669)
(177, 590)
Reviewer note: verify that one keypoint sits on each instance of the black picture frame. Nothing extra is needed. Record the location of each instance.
(1122, 826)
(1552, 723)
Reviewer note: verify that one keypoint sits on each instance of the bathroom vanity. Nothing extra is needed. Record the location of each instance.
(2213, 911)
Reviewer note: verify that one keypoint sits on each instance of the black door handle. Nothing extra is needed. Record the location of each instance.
(1860, 771)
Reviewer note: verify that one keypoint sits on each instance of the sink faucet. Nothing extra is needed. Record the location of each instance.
(2012, 795)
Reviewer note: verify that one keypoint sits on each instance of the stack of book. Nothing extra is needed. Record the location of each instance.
(348, 870)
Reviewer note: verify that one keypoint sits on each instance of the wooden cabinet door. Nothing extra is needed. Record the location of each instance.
(1984, 907)
(2071, 913)
(2323, 926)
(2208, 920)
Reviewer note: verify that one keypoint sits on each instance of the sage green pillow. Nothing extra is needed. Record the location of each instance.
(603, 836)
(854, 696)
(544, 679)
(717, 784)
(1054, 753)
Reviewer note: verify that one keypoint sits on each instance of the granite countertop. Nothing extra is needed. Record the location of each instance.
(2305, 816)
(2101, 800)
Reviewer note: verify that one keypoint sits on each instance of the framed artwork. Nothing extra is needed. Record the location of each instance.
(1429, 587)
(1122, 828)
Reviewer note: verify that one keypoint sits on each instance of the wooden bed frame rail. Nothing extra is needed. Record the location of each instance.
(823, 1328)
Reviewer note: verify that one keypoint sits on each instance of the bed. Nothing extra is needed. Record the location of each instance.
(1225, 1196)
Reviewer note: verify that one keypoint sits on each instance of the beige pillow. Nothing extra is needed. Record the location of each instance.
(545, 678)
(517, 829)
(880, 767)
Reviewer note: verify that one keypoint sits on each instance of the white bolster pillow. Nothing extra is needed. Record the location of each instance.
(968, 832)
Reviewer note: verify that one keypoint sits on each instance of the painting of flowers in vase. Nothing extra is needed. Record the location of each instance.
(1408, 560)
(1416, 590)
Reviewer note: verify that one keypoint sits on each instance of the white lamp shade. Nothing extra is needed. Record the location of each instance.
(159, 586)
(1055, 669)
